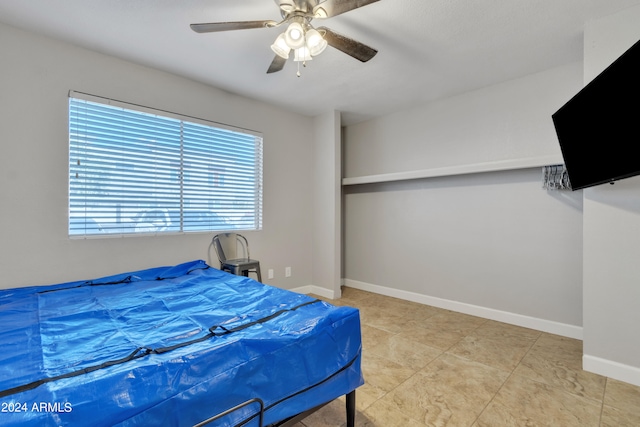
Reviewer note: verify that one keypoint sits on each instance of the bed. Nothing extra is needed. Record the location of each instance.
(179, 345)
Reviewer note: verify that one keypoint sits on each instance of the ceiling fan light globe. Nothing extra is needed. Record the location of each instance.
(315, 42)
(318, 49)
(280, 47)
(302, 54)
(294, 36)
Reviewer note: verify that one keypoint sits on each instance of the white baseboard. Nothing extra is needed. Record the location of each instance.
(557, 328)
(608, 368)
(317, 290)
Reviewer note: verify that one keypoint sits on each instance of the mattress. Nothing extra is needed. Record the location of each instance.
(171, 345)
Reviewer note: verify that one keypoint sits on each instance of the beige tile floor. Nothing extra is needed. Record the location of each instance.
(425, 366)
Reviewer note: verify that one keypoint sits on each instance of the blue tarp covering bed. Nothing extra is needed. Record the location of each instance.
(170, 346)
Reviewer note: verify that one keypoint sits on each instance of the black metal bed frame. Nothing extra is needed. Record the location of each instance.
(350, 410)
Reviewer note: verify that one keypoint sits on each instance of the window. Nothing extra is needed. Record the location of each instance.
(135, 170)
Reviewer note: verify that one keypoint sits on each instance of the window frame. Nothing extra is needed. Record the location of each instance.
(190, 219)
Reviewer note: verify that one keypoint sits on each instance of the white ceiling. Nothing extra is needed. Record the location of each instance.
(428, 49)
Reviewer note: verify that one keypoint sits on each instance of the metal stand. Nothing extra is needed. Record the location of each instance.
(235, 408)
(350, 407)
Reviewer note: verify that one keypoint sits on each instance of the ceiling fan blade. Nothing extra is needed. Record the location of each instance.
(331, 8)
(229, 26)
(351, 47)
(277, 64)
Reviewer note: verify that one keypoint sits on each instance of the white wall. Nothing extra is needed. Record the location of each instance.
(612, 234)
(493, 244)
(36, 75)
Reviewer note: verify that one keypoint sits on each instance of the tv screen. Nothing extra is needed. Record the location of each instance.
(599, 128)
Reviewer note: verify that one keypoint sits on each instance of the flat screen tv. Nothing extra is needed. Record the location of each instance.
(599, 128)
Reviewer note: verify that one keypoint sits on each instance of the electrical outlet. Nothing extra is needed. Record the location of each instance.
(287, 272)
(270, 273)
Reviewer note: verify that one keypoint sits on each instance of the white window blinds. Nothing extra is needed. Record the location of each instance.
(135, 170)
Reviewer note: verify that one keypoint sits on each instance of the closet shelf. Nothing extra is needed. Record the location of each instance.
(500, 165)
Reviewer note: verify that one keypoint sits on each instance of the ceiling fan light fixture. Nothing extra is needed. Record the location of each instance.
(294, 36)
(315, 42)
(280, 47)
(302, 54)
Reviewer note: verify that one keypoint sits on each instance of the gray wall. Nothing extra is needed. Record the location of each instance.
(612, 234)
(36, 75)
(493, 244)
(326, 205)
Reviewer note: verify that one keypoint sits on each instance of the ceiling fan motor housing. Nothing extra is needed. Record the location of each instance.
(290, 6)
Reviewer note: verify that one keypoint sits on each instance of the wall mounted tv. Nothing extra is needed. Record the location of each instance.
(599, 128)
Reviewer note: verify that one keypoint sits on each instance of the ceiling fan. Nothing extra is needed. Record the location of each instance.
(300, 36)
